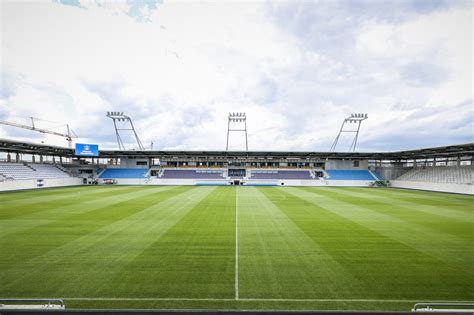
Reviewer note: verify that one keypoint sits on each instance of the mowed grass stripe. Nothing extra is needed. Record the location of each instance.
(364, 254)
(39, 240)
(57, 212)
(440, 219)
(193, 259)
(28, 205)
(432, 197)
(278, 260)
(428, 205)
(426, 241)
(96, 257)
(15, 195)
(414, 215)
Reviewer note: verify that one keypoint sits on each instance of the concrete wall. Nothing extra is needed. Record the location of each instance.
(132, 162)
(32, 184)
(349, 183)
(442, 187)
(345, 165)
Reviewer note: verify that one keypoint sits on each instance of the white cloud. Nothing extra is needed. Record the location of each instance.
(181, 73)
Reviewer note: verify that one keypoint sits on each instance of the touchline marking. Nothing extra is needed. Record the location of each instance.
(255, 300)
(236, 244)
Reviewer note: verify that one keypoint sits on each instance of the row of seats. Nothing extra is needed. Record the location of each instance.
(124, 173)
(280, 174)
(198, 174)
(351, 175)
(441, 174)
(19, 171)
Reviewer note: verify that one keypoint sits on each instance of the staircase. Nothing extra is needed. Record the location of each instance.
(373, 175)
(65, 170)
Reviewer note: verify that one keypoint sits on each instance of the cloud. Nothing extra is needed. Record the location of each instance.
(296, 68)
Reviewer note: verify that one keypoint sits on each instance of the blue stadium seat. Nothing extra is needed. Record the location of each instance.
(124, 173)
(350, 175)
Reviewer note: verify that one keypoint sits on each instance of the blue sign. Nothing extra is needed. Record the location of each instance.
(83, 149)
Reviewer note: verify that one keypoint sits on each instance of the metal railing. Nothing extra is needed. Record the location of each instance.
(443, 307)
(49, 302)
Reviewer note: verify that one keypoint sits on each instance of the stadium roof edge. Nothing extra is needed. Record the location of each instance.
(7, 145)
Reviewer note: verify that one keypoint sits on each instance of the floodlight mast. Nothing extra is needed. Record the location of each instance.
(240, 119)
(355, 118)
(120, 117)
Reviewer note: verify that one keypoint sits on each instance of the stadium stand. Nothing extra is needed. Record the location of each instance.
(350, 175)
(197, 174)
(17, 171)
(280, 174)
(124, 173)
(48, 171)
(441, 174)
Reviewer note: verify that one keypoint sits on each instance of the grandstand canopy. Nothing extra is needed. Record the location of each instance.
(20, 147)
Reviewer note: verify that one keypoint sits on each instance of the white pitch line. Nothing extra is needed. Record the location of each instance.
(148, 299)
(236, 244)
(257, 300)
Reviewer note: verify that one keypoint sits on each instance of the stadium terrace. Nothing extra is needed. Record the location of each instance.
(446, 169)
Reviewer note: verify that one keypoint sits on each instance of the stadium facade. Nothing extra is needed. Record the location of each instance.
(447, 169)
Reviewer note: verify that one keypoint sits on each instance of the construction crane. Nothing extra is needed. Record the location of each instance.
(69, 135)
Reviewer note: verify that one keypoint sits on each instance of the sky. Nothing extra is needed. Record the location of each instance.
(296, 68)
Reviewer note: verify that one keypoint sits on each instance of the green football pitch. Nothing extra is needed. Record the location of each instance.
(183, 247)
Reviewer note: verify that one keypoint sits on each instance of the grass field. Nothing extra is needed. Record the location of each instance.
(237, 248)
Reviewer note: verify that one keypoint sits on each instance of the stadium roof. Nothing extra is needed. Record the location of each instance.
(467, 149)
